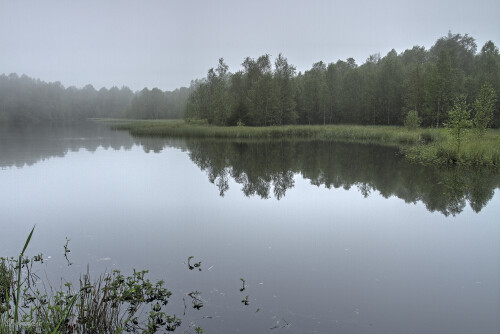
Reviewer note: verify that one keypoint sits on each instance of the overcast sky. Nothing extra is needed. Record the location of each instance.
(165, 44)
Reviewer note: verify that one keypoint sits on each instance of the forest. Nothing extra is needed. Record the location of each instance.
(381, 91)
(27, 100)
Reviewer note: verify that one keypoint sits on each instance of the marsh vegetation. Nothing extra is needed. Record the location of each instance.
(110, 303)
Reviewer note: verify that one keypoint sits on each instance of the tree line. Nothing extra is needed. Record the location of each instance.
(381, 91)
(26, 100)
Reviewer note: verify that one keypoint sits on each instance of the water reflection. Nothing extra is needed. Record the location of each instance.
(265, 168)
(27, 145)
(269, 168)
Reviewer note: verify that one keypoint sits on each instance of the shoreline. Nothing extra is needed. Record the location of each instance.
(428, 146)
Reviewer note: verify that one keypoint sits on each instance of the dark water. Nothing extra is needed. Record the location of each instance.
(330, 237)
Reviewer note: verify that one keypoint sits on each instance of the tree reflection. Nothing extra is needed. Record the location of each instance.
(265, 167)
(269, 168)
(29, 144)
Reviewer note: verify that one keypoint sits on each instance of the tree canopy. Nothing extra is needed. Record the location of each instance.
(381, 91)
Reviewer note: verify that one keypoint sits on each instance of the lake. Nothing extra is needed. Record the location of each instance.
(329, 237)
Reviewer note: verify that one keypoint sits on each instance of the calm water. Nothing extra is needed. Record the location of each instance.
(330, 238)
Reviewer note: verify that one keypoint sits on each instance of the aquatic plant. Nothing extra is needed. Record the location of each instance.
(111, 303)
(195, 265)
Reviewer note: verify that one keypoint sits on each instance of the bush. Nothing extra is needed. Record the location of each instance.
(412, 121)
(459, 119)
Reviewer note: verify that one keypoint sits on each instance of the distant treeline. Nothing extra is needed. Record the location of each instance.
(26, 100)
(380, 91)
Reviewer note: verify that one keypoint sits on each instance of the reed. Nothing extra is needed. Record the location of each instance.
(384, 134)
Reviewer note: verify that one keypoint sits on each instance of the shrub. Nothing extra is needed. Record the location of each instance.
(412, 121)
(459, 120)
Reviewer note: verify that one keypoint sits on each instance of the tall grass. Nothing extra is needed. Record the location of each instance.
(383, 134)
(474, 151)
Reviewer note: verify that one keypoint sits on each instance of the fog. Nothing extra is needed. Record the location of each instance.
(166, 44)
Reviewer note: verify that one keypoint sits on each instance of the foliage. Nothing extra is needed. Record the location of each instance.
(380, 91)
(483, 109)
(459, 120)
(412, 121)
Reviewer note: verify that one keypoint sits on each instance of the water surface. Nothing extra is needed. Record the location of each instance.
(330, 237)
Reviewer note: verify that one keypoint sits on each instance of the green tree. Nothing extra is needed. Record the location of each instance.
(461, 50)
(261, 90)
(483, 109)
(238, 91)
(315, 94)
(390, 83)
(369, 88)
(459, 119)
(414, 87)
(333, 87)
(198, 101)
(488, 71)
(412, 121)
(350, 102)
(285, 113)
(221, 101)
(442, 78)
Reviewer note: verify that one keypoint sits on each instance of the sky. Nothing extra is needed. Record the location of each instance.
(168, 43)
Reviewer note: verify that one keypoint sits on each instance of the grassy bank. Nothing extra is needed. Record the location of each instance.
(378, 134)
(428, 146)
(473, 151)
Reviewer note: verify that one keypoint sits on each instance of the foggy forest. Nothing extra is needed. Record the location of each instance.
(381, 91)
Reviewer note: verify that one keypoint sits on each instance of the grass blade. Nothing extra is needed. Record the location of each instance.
(19, 265)
(28, 240)
(66, 312)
